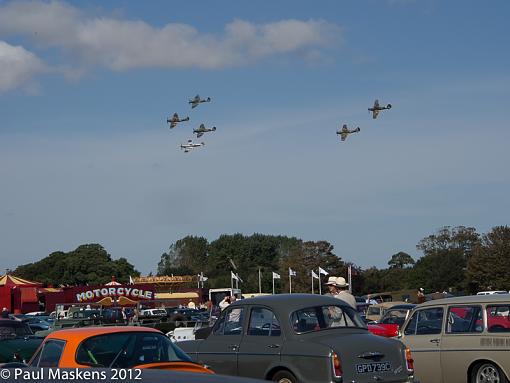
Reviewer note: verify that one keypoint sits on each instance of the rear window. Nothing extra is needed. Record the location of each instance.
(325, 317)
(498, 318)
(374, 311)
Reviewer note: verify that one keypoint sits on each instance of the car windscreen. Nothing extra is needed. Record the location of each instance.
(325, 317)
(14, 329)
(128, 349)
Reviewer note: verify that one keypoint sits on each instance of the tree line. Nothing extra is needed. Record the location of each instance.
(456, 259)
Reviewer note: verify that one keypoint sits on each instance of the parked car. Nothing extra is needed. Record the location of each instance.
(151, 313)
(462, 339)
(376, 312)
(17, 341)
(113, 347)
(37, 324)
(386, 330)
(299, 338)
(397, 314)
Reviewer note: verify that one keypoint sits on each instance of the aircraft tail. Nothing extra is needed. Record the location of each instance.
(388, 106)
(357, 129)
(214, 128)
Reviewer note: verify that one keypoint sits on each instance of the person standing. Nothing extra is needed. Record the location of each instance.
(342, 288)
(5, 313)
(421, 295)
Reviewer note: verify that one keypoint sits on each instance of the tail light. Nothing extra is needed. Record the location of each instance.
(409, 360)
(337, 366)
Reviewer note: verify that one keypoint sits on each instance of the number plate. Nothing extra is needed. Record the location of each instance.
(364, 368)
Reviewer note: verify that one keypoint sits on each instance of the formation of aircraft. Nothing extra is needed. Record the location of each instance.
(202, 129)
(377, 108)
(175, 120)
(191, 145)
(197, 100)
(345, 131)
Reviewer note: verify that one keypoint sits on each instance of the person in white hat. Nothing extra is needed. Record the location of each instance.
(341, 287)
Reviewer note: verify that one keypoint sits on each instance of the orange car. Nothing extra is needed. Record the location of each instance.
(113, 347)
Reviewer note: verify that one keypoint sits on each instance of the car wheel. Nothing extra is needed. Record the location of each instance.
(284, 376)
(487, 373)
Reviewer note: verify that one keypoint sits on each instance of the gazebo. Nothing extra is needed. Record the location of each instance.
(12, 287)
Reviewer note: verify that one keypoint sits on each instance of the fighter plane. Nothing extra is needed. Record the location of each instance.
(191, 145)
(197, 100)
(376, 109)
(175, 120)
(344, 132)
(202, 129)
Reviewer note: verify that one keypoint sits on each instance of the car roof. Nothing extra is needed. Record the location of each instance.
(389, 304)
(403, 306)
(290, 302)
(85, 332)
(494, 298)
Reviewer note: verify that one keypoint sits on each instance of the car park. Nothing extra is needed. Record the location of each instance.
(462, 339)
(17, 341)
(376, 312)
(397, 314)
(299, 338)
(113, 347)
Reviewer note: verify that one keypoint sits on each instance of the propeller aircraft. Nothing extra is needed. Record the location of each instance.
(345, 131)
(202, 129)
(175, 120)
(191, 145)
(377, 108)
(197, 100)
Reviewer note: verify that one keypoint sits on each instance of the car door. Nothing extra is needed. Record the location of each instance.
(460, 343)
(219, 350)
(261, 345)
(422, 334)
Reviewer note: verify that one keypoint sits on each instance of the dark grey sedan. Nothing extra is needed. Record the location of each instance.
(292, 338)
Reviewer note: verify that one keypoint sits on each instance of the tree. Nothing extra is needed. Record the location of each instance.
(400, 260)
(489, 266)
(446, 254)
(187, 256)
(87, 264)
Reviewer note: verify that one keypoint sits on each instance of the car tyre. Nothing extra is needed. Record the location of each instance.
(487, 372)
(284, 376)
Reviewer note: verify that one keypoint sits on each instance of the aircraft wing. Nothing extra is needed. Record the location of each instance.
(375, 113)
(173, 124)
(200, 134)
(343, 136)
(194, 104)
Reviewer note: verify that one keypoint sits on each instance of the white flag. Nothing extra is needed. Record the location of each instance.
(202, 278)
(292, 273)
(239, 278)
(131, 281)
(233, 276)
(276, 275)
(314, 275)
(322, 271)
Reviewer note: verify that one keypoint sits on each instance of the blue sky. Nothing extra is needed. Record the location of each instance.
(86, 156)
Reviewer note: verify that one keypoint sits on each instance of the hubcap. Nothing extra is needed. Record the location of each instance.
(285, 380)
(487, 373)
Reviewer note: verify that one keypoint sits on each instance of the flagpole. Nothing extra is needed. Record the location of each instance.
(349, 277)
(198, 281)
(231, 280)
(237, 281)
(320, 289)
(290, 283)
(260, 285)
(312, 283)
(273, 284)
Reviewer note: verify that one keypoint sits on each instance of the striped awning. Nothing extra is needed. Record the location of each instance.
(11, 280)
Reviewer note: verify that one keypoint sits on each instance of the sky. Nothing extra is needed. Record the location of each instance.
(86, 155)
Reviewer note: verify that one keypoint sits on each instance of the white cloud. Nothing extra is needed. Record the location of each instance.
(127, 44)
(17, 66)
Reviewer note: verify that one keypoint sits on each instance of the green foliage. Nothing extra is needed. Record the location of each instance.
(489, 266)
(88, 264)
(401, 260)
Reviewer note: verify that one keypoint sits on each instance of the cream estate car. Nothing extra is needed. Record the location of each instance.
(460, 340)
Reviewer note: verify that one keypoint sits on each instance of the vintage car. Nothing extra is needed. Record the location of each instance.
(292, 338)
(463, 339)
(376, 312)
(17, 342)
(113, 347)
